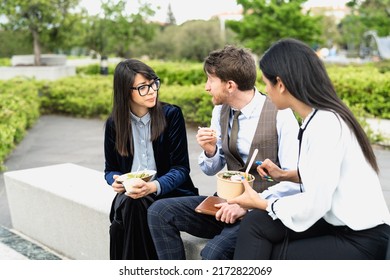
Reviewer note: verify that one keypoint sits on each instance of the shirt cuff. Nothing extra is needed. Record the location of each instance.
(208, 161)
(270, 208)
(158, 192)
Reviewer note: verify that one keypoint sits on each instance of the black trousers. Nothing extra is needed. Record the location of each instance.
(260, 237)
(130, 237)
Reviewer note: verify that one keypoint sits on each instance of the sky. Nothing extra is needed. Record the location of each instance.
(184, 10)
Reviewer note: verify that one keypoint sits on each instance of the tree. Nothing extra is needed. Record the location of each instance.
(266, 21)
(14, 42)
(116, 31)
(171, 20)
(330, 31)
(197, 38)
(192, 40)
(68, 36)
(39, 17)
(373, 14)
(365, 16)
(351, 30)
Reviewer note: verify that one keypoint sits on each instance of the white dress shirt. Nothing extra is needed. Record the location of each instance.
(339, 184)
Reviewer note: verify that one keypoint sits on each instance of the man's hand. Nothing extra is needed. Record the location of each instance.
(229, 213)
(207, 139)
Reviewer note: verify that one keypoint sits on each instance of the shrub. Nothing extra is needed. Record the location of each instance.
(19, 110)
(363, 86)
(194, 101)
(170, 73)
(365, 89)
(88, 96)
(5, 61)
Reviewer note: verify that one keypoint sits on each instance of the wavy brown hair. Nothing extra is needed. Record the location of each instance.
(232, 63)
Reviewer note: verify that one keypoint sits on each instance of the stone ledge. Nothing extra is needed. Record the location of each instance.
(193, 245)
(381, 127)
(46, 60)
(37, 72)
(65, 207)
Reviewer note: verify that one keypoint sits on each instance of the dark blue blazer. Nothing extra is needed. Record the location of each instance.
(170, 153)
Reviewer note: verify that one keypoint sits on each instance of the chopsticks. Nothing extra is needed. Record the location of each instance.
(251, 162)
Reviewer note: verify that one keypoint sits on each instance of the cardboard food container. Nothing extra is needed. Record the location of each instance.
(145, 175)
(227, 188)
(128, 178)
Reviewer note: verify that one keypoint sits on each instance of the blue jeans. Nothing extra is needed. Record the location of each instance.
(168, 217)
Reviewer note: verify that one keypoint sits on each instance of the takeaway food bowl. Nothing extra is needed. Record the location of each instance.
(229, 183)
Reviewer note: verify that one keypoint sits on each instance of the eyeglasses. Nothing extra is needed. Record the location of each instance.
(144, 89)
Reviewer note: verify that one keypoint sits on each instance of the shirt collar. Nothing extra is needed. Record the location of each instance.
(144, 119)
(254, 105)
(304, 122)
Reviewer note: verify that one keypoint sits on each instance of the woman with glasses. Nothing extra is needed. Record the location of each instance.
(142, 133)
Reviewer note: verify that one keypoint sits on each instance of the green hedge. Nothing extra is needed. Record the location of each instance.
(363, 86)
(365, 89)
(80, 96)
(170, 73)
(179, 73)
(194, 101)
(19, 110)
(367, 85)
(5, 61)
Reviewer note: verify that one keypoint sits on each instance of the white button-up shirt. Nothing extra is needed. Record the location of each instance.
(339, 184)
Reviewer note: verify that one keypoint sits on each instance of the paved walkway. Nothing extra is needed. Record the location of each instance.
(59, 139)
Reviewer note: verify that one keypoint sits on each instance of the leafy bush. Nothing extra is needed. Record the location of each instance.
(94, 69)
(365, 89)
(88, 96)
(179, 73)
(170, 73)
(383, 66)
(5, 61)
(91, 96)
(194, 101)
(19, 110)
(363, 86)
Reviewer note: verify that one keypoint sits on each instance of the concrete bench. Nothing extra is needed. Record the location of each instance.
(46, 59)
(193, 245)
(66, 208)
(37, 72)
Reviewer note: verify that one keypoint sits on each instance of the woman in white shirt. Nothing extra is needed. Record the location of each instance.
(341, 212)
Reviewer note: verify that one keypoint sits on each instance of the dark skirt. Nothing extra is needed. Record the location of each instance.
(130, 237)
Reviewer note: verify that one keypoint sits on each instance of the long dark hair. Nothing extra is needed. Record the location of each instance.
(305, 77)
(124, 76)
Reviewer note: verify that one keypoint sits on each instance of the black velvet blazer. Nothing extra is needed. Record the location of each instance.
(170, 153)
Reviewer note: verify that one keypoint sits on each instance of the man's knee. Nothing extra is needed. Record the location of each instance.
(217, 253)
(221, 247)
(155, 211)
(162, 211)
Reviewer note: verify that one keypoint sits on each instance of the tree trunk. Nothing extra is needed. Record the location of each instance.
(37, 48)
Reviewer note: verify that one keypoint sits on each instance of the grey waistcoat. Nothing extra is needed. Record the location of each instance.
(265, 140)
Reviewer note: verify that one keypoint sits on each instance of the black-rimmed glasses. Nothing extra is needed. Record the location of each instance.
(144, 89)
